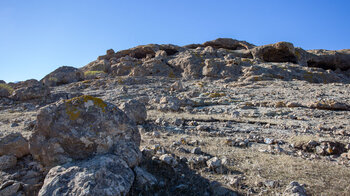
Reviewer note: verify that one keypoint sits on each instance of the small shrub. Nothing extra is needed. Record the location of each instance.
(7, 87)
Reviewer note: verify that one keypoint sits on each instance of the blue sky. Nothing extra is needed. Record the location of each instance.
(36, 37)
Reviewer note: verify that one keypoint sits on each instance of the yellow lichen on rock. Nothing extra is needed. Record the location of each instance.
(73, 104)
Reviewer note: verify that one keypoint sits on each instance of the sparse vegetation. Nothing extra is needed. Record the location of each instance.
(92, 73)
(7, 87)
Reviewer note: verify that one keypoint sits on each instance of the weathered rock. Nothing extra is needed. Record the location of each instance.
(229, 43)
(278, 52)
(10, 188)
(329, 59)
(168, 159)
(63, 75)
(329, 104)
(153, 67)
(189, 62)
(14, 144)
(294, 189)
(7, 161)
(34, 90)
(177, 86)
(214, 163)
(196, 150)
(138, 52)
(135, 110)
(22, 84)
(169, 103)
(144, 180)
(80, 128)
(98, 65)
(101, 175)
(124, 65)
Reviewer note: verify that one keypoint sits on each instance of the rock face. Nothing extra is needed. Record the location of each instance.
(327, 59)
(135, 110)
(221, 58)
(278, 52)
(14, 144)
(102, 175)
(33, 90)
(63, 75)
(81, 127)
(98, 65)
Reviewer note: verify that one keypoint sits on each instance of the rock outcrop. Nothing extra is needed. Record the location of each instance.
(31, 90)
(82, 127)
(63, 75)
(101, 175)
(135, 110)
(278, 52)
(14, 144)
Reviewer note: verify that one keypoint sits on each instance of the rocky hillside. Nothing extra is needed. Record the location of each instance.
(224, 117)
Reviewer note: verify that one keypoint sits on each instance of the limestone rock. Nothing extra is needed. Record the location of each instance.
(101, 175)
(7, 161)
(135, 110)
(189, 62)
(124, 65)
(9, 188)
(152, 67)
(63, 75)
(329, 59)
(168, 159)
(329, 104)
(144, 180)
(98, 65)
(14, 144)
(80, 128)
(177, 86)
(278, 52)
(34, 90)
(229, 43)
(214, 163)
(294, 189)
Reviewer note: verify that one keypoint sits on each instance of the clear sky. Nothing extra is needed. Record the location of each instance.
(36, 37)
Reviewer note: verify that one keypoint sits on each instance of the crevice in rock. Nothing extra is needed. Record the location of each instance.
(274, 55)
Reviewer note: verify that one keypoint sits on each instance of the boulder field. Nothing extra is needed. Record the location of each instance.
(225, 117)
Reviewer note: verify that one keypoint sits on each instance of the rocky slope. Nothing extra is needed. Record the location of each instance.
(224, 117)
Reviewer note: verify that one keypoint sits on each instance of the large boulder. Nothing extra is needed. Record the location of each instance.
(81, 127)
(189, 62)
(124, 65)
(135, 110)
(98, 65)
(63, 75)
(14, 144)
(101, 175)
(228, 43)
(32, 90)
(330, 59)
(278, 52)
(152, 67)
